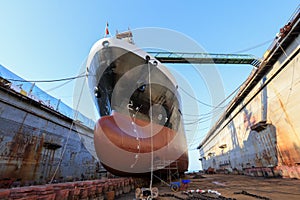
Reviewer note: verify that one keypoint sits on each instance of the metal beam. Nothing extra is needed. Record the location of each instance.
(205, 58)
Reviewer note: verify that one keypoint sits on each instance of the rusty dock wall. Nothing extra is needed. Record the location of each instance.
(259, 134)
(38, 144)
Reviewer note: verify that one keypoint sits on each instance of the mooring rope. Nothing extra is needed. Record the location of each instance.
(151, 127)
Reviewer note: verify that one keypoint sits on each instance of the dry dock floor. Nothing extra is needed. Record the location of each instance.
(230, 185)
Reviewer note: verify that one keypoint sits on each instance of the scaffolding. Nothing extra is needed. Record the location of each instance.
(168, 169)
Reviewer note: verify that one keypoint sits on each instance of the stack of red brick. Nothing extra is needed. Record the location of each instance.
(95, 189)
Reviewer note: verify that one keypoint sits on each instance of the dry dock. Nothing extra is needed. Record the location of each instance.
(256, 138)
(259, 133)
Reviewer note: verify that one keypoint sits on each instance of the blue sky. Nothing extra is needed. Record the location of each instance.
(49, 40)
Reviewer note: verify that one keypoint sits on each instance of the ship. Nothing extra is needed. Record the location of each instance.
(140, 127)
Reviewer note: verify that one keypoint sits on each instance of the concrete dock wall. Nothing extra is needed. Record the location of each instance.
(261, 137)
(38, 144)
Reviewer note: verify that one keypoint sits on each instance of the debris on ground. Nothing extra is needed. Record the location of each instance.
(252, 195)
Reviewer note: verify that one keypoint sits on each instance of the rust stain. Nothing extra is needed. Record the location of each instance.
(286, 114)
(284, 150)
(39, 147)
